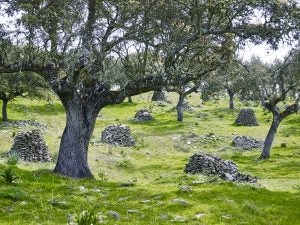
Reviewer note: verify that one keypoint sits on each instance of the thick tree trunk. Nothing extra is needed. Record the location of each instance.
(4, 110)
(72, 159)
(130, 99)
(270, 137)
(179, 108)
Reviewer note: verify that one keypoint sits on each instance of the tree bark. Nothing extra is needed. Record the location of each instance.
(130, 99)
(265, 154)
(231, 98)
(4, 110)
(179, 108)
(73, 151)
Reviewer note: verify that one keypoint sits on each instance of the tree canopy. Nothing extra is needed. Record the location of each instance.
(82, 49)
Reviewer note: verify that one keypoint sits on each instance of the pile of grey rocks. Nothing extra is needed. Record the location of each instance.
(207, 164)
(24, 123)
(30, 146)
(143, 115)
(159, 96)
(246, 117)
(246, 143)
(119, 135)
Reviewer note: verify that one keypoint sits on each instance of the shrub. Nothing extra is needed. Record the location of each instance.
(102, 176)
(12, 158)
(87, 218)
(9, 175)
(125, 163)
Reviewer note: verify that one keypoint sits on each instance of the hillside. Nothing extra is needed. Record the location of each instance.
(143, 184)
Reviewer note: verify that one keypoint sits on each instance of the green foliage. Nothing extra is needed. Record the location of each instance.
(9, 176)
(14, 194)
(124, 163)
(102, 176)
(87, 217)
(13, 158)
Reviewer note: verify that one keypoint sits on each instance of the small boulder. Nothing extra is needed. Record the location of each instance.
(114, 214)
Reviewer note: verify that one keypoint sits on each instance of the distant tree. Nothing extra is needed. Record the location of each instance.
(280, 92)
(183, 91)
(233, 78)
(24, 84)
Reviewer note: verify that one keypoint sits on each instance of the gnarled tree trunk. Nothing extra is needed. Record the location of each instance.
(4, 110)
(73, 151)
(179, 108)
(265, 154)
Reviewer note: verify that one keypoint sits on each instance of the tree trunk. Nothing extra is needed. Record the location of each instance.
(270, 137)
(231, 98)
(4, 110)
(179, 108)
(130, 99)
(73, 151)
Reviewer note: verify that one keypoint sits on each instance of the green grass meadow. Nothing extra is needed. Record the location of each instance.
(147, 177)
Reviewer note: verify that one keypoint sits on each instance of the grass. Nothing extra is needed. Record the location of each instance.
(154, 170)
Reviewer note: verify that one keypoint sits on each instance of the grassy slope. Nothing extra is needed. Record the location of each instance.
(156, 166)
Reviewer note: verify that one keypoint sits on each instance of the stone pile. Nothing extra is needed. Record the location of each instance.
(119, 135)
(143, 115)
(246, 117)
(213, 165)
(31, 147)
(246, 143)
(159, 96)
(24, 123)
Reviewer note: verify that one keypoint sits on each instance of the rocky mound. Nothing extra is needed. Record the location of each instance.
(31, 147)
(159, 96)
(246, 117)
(143, 115)
(212, 165)
(119, 135)
(246, 143)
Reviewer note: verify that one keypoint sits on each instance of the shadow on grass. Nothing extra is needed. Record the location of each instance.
(123, 105)
(158, 126)
(46, 109)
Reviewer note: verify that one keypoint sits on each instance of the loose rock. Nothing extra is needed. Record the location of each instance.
(31, 147)
(180, 201)
(132, 211)
(246, 117)
(246, 143)
(185, 188)
(143, 115)
(119, 135)
(213, 165)
(114, 215)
